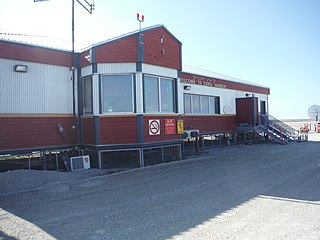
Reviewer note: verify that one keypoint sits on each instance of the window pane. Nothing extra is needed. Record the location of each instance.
(212, 105)
(166, 88)
(187, 103)
(87, 96)
(204, 104)
(217, 105)
(195, 104)
(117, 93)
(151, 94)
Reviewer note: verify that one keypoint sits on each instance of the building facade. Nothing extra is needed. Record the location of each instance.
(135, 103)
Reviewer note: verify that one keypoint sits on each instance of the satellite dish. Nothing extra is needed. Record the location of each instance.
(314, 112)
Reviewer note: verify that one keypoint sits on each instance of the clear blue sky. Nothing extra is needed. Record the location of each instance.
(275, 43)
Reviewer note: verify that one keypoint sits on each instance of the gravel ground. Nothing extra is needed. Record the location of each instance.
(20, 181)
(263, 191)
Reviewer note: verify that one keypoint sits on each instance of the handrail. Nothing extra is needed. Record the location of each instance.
(275, 132)
(284, 126)
(272, 123)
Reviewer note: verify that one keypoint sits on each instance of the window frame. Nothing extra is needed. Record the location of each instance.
(83, 79)
(159, 93)
(133, 91)
(215, 107)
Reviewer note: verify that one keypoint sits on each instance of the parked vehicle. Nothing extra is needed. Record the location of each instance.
(305, 128)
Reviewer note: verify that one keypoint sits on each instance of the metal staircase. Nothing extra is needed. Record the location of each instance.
(278, 130)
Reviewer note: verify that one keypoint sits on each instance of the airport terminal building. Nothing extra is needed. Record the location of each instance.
(131, 103)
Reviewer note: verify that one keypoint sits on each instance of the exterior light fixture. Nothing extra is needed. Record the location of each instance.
(187, 87)
(21, 68)
(60, 128)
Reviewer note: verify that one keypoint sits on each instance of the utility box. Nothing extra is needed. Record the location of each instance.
(80, 163)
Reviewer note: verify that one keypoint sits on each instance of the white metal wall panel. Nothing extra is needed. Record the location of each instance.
(44, 89)
(116, 67)
(159, 71)
(86, 71)
(95, 94)
(131, 67)
(139, 93)
(180, 97)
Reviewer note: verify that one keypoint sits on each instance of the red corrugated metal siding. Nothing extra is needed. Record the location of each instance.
(22, 52)
(119, 51)
(88, 130)
(33, 132)
(229, 84)
(118, 130)
(162, 137)
(153, 53)
(83, 61)
(210, 124)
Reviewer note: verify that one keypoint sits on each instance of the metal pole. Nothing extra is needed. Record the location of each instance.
(89, 7)
(74, 120)
(57, 163)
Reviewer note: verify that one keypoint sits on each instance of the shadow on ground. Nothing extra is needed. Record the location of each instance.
(170, 200)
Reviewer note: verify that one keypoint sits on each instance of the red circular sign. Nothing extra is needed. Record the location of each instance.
(154, 127)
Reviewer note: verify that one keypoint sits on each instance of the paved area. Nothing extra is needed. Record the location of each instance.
(262, 191)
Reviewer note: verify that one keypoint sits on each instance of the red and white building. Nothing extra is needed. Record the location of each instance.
(133, 99)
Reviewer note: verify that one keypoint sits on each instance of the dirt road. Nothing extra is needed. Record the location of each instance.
(262, 191)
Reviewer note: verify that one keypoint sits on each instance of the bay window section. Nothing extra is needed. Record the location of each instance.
(87, 95)
(166, 87)
(117, 93)
(151, 94)
(159, 94)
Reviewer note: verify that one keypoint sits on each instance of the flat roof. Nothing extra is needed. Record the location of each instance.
(211, 74)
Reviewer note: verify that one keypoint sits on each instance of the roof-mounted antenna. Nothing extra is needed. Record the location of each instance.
(89, 7)
(140, 34)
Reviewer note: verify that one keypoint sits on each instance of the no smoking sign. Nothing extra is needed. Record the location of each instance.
(154, 127)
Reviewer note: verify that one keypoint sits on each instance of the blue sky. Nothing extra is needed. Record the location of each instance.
(274, 43)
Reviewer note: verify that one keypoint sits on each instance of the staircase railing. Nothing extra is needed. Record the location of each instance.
(278, 127)
(286, 129)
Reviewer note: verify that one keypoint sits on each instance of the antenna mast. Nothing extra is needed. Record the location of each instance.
(89, 7)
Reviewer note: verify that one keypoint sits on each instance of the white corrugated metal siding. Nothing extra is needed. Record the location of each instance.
(159, 71)
(86, 71)
(44, 89)
(116, 68)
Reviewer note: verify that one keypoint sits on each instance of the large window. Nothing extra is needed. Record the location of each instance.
(167, 93)
(195, 104)
(201, 104)
(204, 104)
(87, 95)
(151, 94)
(159, 94)
(117, 93)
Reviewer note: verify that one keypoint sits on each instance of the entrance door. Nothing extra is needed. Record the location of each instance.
(263, 107)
